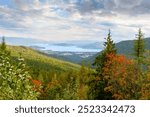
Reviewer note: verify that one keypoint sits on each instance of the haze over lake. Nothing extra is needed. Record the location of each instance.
(60, 48)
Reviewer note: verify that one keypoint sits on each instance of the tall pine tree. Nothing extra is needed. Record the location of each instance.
(139, 47)
(98, 85)
(109, 47)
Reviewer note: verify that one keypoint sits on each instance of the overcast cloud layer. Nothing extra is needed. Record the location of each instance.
(74, 19)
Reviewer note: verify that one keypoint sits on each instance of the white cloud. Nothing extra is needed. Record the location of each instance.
(62, 20)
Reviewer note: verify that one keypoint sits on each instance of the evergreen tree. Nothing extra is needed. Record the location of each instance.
(139, 47)
(98, 85)
(3, 44)
(109, 47)
(109, 44)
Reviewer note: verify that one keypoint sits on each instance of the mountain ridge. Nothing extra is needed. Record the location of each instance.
(123, 47)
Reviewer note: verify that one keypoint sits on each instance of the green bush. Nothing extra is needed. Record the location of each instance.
(15, 81)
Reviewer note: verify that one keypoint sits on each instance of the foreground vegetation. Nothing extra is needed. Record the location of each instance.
(28, 74)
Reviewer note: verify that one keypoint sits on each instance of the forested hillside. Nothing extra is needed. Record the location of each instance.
(124, 47)
(127, 47)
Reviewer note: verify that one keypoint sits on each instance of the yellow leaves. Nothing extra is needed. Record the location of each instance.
(52, 84)
(82, 92)
(148, 75)
(145, 91)
(118, 96)
(108, 89)
(145, 94)
(122, 82)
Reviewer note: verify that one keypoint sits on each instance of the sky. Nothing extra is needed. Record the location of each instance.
(61, 20)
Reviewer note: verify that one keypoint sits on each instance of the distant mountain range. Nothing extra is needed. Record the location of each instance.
(74, 51)
(124, 47)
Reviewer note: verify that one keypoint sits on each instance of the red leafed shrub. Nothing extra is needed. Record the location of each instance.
(37, 85)
(36, 82)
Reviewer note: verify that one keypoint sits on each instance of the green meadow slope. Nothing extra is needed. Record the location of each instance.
(40, 61)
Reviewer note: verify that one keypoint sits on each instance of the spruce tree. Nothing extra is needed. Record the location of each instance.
(109, 47)
(98, 86)
(139, 47)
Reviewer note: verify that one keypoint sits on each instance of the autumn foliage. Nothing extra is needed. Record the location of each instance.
(121, 81)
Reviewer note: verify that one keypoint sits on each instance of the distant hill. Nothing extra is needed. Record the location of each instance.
(126, 47)
(40, 60)
(123, 47)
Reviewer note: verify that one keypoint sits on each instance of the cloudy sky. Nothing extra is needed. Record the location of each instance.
(74, 19)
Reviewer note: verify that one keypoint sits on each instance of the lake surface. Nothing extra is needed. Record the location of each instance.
(66, 48)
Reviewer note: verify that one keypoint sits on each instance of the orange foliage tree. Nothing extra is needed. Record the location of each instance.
(120, 73)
